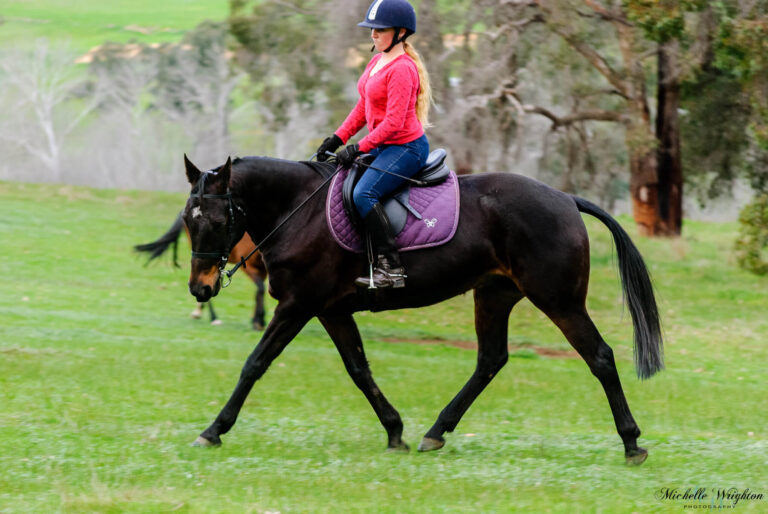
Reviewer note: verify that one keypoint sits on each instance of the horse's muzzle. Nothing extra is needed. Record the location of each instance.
(202, 293)
(204, 290)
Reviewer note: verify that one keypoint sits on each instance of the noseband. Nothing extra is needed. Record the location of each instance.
(223, 255)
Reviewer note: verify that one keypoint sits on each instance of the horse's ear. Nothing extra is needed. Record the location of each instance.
(225, 173)
(193, 174)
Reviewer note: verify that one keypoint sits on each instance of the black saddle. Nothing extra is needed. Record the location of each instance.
(396, 205)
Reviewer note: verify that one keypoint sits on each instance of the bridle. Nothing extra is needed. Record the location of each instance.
(223, 255)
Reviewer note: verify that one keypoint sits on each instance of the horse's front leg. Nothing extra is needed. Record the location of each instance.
(346, 337)
(285, 325)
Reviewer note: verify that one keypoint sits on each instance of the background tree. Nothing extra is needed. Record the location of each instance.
(303, 57)
(46, 99)
(194, 87)
(656, 199)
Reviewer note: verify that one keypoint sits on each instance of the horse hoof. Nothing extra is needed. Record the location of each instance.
(400, 447)
(202, 442)
(636, 457)
(258, 326)
(428, 444)
(216, 322)
(194, 315)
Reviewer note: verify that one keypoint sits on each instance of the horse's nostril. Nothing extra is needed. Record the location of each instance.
(203, 293)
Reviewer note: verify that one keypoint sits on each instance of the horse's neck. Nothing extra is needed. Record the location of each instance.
(270, 189)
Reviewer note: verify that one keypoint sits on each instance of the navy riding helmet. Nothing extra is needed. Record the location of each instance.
(383, 14)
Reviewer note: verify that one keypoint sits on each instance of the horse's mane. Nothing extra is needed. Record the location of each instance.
(254, 162)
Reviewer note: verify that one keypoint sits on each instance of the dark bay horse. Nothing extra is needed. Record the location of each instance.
(254, 267)
(516, 238)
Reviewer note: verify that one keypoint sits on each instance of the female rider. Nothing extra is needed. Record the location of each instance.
(394, 104)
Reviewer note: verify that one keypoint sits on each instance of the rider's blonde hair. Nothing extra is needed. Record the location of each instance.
(424, 100)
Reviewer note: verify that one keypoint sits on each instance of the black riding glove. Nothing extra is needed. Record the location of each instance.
(329, 144)
(348, 155)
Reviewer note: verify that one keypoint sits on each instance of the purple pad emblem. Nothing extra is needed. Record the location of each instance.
(438, 206)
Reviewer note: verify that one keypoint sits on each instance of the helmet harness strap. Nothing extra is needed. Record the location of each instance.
(395, 40)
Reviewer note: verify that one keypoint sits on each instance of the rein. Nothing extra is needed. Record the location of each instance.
(361, 163)
(230, 223)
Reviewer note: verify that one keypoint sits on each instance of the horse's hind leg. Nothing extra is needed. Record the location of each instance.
(346, 337)
(581, 332)
(258, 315)
(494, 299)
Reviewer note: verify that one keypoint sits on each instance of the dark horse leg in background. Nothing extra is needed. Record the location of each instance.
(259, 312)
(257, 271)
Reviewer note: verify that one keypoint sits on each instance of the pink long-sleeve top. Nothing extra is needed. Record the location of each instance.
(387, 105)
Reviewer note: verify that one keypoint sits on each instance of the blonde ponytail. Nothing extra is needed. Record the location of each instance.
(424, 100)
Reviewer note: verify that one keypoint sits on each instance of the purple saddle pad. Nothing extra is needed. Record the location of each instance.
(438, 206)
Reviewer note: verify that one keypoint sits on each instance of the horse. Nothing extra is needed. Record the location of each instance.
(254, 267)
(516, 238)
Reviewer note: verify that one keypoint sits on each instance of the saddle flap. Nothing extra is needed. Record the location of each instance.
(396, 213)
(396, 206)
(348, 188)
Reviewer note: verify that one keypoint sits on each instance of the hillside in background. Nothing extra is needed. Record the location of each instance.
(89, 23)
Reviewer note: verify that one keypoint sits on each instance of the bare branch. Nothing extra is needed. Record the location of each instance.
(596, 60)
(501, 92)
(605, 13)
(589, 53)
(575, 117)
(519, 3)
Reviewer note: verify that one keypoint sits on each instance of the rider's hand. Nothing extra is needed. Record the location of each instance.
(348, 155)
(329, 144)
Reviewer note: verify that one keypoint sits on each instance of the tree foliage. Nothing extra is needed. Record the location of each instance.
(751, 245)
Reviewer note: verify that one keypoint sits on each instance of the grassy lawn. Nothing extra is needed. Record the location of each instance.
(89, 23)
(105, 382)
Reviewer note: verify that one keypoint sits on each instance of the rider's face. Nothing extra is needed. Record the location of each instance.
(382, 38)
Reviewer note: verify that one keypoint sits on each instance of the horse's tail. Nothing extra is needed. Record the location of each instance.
(171, 237)
(638, 294)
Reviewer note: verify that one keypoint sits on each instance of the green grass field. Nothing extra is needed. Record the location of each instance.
(105, 381)
(84, 25)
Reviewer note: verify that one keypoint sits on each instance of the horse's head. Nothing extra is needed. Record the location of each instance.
(215, 223)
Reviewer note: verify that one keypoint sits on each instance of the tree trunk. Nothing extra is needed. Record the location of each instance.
(656, 180)
(670, 168)
(655, 166)
(643, 186)
(643, 161)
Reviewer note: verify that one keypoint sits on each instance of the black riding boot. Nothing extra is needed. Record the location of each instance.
(389, 272)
